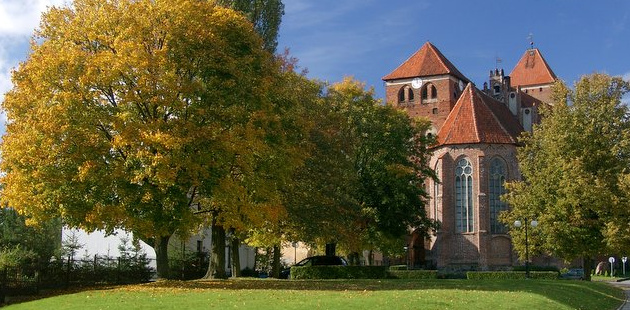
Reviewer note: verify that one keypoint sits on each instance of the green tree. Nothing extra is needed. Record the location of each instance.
(129, 113)
(362, 185)
(574, 166)
(21, 244)
(266, 15)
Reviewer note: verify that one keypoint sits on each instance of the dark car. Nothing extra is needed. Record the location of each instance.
(320, 260)
(573, 274)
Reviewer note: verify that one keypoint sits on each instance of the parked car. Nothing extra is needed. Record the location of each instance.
(320, 260)
(573, 274)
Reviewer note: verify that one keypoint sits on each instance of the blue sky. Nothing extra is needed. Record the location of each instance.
(369, 38)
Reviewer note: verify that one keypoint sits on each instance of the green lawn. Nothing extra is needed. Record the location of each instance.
(262, 294)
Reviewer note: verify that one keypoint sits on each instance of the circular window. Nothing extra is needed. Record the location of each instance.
(527, 111)
(512, 95)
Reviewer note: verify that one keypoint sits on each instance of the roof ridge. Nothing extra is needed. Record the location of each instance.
(428, 60)
(474, 112)
(469, 122)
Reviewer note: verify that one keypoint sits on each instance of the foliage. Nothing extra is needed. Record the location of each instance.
(339, 272)
(574, 168)
(511, 275)
(413, 274)
(345, 294)
(193, 265)
(266, 15)
(26, 245)
(144, 110)
(536, 268)
(362, 184)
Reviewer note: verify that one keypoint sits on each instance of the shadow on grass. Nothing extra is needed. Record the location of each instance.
(574, 294)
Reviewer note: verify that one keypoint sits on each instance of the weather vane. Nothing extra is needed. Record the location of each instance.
(530, 38)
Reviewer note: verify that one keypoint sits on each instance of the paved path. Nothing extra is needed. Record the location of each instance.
(625, 285)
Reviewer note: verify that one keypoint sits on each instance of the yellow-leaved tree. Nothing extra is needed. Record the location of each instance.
(129, 113)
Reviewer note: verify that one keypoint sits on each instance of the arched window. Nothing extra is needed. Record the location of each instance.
(429, 93)
(496, 188)
(464, 215)
(405, 94)
(401, 95)
(436, 193)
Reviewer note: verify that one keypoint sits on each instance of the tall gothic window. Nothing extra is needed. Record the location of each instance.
(464, 215)
(436, 193)
(496, 188)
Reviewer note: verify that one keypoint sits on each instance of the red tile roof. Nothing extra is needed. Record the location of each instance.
(478, 118)
(532, 69)
(427, 61)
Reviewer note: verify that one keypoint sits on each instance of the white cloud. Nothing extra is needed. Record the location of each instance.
(21, 17)
(18, 20)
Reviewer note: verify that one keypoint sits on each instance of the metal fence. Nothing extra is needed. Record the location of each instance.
(70, 272)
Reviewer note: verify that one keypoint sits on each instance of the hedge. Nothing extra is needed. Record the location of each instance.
(477, 275)
(413, 274)
(339, 272)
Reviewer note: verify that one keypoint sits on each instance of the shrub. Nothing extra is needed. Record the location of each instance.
(248, 272)
(536, 268)
(339, 272)
(413, 274)
(398, 267)
(478, 275)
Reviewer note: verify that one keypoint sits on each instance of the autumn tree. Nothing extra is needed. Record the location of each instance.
(266, 15)
(575, 171)
(129, 113)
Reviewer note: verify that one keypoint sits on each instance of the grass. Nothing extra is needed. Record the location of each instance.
(262, 294)
(609, 278)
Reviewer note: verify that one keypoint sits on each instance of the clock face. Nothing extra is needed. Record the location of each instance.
(416, 83)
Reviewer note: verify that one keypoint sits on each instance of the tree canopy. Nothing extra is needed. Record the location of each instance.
(266, 15)
(363, 182)
(575, 172)
(128, 113)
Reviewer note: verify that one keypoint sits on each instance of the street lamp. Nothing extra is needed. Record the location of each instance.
(518, 224)
(295, 245)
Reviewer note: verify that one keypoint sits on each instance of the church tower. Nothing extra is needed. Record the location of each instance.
(477, 134)
(427, 84)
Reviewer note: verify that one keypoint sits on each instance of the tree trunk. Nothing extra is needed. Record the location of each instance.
(161, 257)
(276, 262)
(371, 258)
(216, 268)
(587, 263)
(331, 249)
(236, 257)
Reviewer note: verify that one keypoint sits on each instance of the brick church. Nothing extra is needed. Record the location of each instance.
(477, 136)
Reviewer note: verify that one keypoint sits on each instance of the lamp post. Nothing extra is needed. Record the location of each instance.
(518, 224)
(295, 245)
